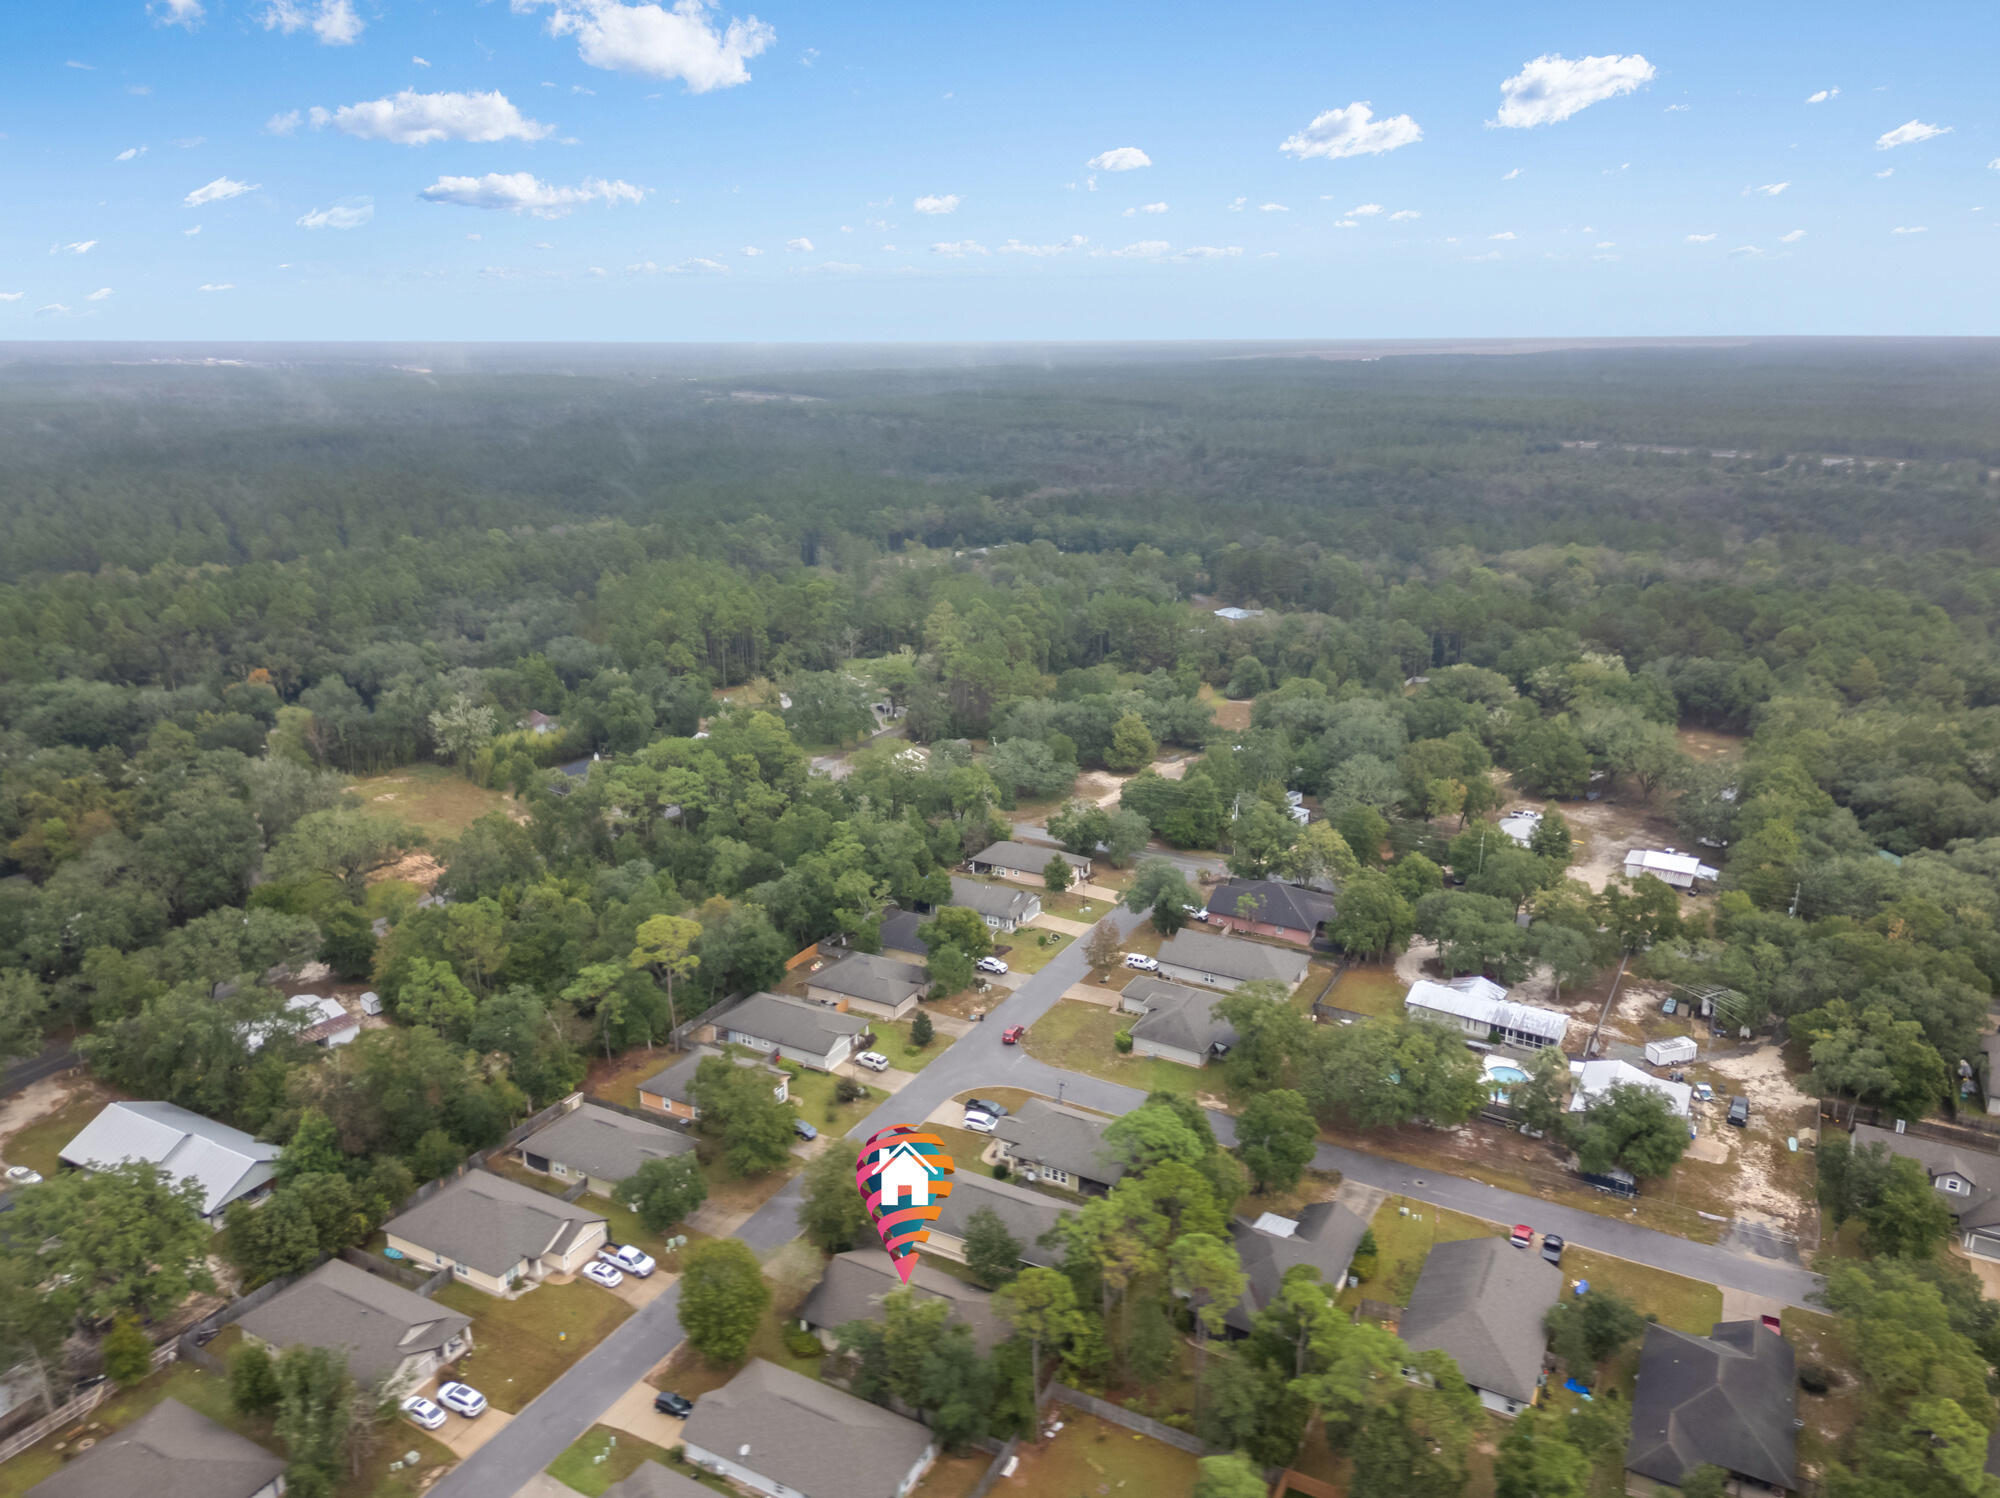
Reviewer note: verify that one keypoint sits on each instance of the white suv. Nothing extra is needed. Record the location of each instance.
(1142, 962)
(990, 965)
(873, 1060)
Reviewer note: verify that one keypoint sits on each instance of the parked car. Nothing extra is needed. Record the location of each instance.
(1142, 962)
(420, 1411)
(1552, 1249)
(873, 1060)
(463, 1399)
(1523, 1236)
(1013, 1034)
(627, 1259)
(669, 1403)
(1739, 1112)
(21, 1175)
(981, 1105)
(804, 1130)
(600, 1273)
(1613, 1182)
(990, 965)
(1196, 912)
(980, 1123)
(1704, 1092)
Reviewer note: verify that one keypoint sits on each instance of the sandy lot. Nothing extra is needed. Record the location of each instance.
(1756, 1160)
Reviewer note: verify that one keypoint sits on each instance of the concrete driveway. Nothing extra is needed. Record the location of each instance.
(1062, 924)
(634, 1414)
(460, 1435)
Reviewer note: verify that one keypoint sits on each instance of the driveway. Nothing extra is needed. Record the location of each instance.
(460, 1435)
(634, 1414)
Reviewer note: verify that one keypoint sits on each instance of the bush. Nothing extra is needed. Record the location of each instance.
(802, 1342)
(128, 1353)
(1367, 1253)
(922, 1031)
(1000, 1171)
(1814, 1379)
(847, 1090)
(1123, 1041)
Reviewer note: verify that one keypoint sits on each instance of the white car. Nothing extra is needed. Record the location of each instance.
(980, 1123)
(20, 1175)
(990, 965)
(625, 1257)
(463, 1399)
(421, 1411)
(873, 1060)
(599, 1273)
(1142, 962)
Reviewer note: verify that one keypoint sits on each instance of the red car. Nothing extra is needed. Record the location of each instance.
(1012, 1034)
(1523, 1236)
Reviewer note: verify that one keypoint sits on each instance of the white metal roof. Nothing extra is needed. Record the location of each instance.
(1596, 1078)
(1465, 1003)
(225, 1162)
(1657, 861)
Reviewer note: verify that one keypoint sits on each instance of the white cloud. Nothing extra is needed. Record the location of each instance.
(1993, 165)
(1042, 251)
(752, 250)
(334, 22)
(1746, 249)
(1347, 223)
(1476, 259)
(284, 124)
(1404, 215)
(189, 142)
(1364, 210)
(699, 265)
(1120, 159)
(216, 286)
(130, 153)
(801, 246)
(1353, 131)
(1510, 176)
(1209, 252)
(1607, 244)
(413, 119)
(1237, 205)
(681, 41)
(1677, 108)
(55, 307)
(947, 203)
(1146, 208)
(1887, 171)
(958, 249)
(1822, 96)
(421, 62)
(81, 247)
(99, 295)
(1792, 238)
(1272, 208)
(1911, 229)
(837, 266)
(219, 191)
(81, 67)
(190, 233)
(520, 192)
(1699, 238)
(1909, 134)
(11, 296)
(1553, 87)
(341, 216)
(1145, 249)
(1768, 190)
(186, 13)
(1503, 234)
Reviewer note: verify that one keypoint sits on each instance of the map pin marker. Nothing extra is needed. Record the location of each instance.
(903, 1175)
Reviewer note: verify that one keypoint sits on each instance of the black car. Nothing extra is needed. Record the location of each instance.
(981, 1105)
(1739, 1112)
(668, 1403)
(1552, 1249)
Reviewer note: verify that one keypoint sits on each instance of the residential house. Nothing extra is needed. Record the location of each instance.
(1223, 962)
(1027, 1216)
(1968, 1179)
(854, 1284)
(539, 723)
(169, 1452)
(669, 1090)
(865, 984)
(1175, 1023)
(1266, 907)
(1725, 1400)
(1681, 870)
(1480, 1008)
(1233, 614)
(651, 1480)
(394, 1338)
(790, 1436)
(599, 1146)
(1025, 862)
(327, 1023)
(794, 1029)
(1323, 1236)
(1482, 1300)
(1059, 1146)
(1591, 1082)
(494, 1233)
(899, 928)
(226, 1163)
(1003, 909)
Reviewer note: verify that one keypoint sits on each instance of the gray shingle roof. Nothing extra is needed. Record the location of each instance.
(1177, 1016)
(1325, 1239)
(810, 1437)
(170, 1451)
(1233, 957)
(899, 931)
(1726, 1398)
(227, 1162)
(1025, 1214)
(854, 1284)
(651, 1480)
(1026, 858)
(604, 1143)
(1482, 1300)
(998, 901)
(792, 1024)
(1979, 1207)
(1277, 904)
(338, 1305)
(491, 1223)
(879, 980)
(1065, 1137)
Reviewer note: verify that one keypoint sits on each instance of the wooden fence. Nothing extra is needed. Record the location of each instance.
(1963, 1135)
(1117, 1414)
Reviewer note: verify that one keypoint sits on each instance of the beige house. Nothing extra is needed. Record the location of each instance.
(493, 1233)
(670, 1090)
(865, 984)
(599, 1146)
(1024, 862)
(394, 1338)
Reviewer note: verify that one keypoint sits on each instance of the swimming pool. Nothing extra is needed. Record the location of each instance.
(1500, 1075)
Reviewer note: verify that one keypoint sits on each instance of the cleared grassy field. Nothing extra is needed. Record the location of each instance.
(1078, 1037)
(36, 1145)
(1090, 1455)
(892, 1039)
(438, 802)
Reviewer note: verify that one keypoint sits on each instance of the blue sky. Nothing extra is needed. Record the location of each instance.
(595, 169)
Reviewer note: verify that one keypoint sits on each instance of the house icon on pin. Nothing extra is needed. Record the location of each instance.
(906, 1174)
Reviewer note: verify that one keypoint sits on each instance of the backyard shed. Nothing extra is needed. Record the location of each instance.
(1676, 1052)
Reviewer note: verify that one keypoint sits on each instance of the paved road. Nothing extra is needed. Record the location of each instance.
(56, 1056)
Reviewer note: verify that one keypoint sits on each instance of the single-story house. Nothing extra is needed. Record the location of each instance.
(1232, 613)
(863, 983)
(1681, 870)
(1480, 1008)
(1175, 1023)
(1726, 1400)
(1059, 1146)
(1027, 1216)
(226, 1163)
(854, 1284)
(1026, 861)
(1323, 1235)
(1266, 907)
(1482, 1300)
(1989, 1070)
(1222, 962)
(669, 1091)
(1002, 908)
(651, 1480)
(1968, 1179)
(790, 1436)
(1591, 1082)
(394, 1338)
(538, 722)
(492, 1233)
(599, 1146)
(327, 1023)
(811, 1034)
(170, 1451)
(899, 931)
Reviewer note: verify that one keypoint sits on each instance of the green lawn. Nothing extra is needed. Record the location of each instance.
(1078, 1037)
(1365, 990)
(1026, 952)
(36, 1145)
(1071, 906)
(1091, 1456)
(1403, 1243)
(812, 1095)
(520, 1347)
(440, 803)
(1685, 1305)
(602, 1456)
(892, 1039)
